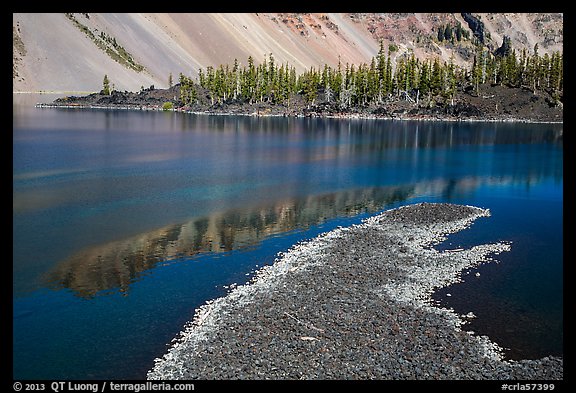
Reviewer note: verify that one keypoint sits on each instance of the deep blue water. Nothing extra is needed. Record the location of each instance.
(124, 222)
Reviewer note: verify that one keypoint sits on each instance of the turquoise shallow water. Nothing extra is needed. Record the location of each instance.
(125, 222)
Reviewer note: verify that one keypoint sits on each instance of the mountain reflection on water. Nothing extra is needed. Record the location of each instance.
(115, 265)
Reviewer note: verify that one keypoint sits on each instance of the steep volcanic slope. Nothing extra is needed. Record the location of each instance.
(527, 30)
(54, 52)
(60, 57)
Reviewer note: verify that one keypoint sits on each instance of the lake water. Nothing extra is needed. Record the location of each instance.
(124, 222)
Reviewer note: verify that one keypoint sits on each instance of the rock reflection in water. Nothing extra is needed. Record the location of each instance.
(117, 264)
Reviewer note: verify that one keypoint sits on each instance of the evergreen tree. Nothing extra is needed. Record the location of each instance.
(424, 82)
(502, 70)
(555, 72)
(400, 76)
(280, 88)
(187, 90)
(495, 70)
(524, 69)
(512, 69)
(458, 32)
(389, 81)
(381, 64)
(545, 71)
(450, 77)
(360, 82)
(536, 69)
(210, 85)
(248, 81)
(236, 79)
(436, 80)
(448, 32)
(309, 83)
(106, 85)
(336, 80)
(331, 81)
(201, 78)
(271, 70)
(440, 34)
(373, 81)
(219, 84)
(478, 68)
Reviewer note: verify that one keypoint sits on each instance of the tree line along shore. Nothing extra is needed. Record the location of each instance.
(499, 85)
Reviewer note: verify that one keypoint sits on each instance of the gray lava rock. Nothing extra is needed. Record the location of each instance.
(354, 303)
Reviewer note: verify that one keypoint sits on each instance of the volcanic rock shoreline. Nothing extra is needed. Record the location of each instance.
(353, 303)
(494, 103)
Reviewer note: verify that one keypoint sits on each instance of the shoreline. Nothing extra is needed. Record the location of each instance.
(345, 116)
(353, 303)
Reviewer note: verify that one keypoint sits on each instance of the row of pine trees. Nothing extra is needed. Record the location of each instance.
(364, 84)
(536, 72)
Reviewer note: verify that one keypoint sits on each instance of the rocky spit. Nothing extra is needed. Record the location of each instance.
(354, 303)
